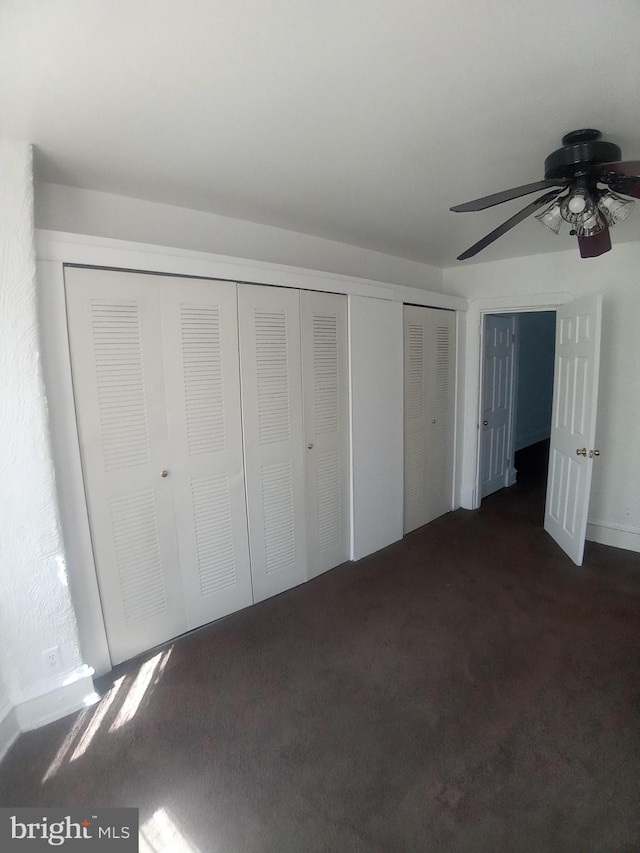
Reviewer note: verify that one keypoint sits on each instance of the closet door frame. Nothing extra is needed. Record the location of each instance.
(55, 250)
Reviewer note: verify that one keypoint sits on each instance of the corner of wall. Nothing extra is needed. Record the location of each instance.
(9, 728)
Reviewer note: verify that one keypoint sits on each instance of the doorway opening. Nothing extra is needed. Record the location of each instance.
(515, 408)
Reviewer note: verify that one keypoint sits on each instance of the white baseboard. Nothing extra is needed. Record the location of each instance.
(9, 728)
(616, 535)
(468, 498)
(73, 692)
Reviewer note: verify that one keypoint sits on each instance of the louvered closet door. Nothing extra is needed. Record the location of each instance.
(270, 362)
(116, 354)
(201, 367)
(429, 362)
(326, 425)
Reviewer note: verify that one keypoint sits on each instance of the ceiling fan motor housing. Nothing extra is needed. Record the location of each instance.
(580, 150)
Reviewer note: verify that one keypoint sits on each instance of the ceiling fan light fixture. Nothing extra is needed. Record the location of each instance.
(614, 207)
(590, 227)
(578, 207)
(551, 217)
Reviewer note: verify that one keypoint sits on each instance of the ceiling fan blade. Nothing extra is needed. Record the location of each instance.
(506, 195)
(631, 168)
(625, 184)
(597, 244)
(547, 198)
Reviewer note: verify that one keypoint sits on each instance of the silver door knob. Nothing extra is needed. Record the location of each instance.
(433, 420)
(594, 453)
(581, 451)
(485, 423)
(164, 473)
(310, 446)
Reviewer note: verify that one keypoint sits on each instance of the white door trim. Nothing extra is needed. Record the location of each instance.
(471, 394)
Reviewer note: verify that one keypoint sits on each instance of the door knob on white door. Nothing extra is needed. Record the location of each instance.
(310, 446)
(593, 453)
(581, 451)
(485, 423)
(164, 473)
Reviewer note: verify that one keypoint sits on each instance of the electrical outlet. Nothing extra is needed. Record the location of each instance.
(52, 660)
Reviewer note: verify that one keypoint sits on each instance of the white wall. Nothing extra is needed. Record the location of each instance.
(543, 280)
(534, 377)
(36, 608)
(100, 214)
(376, 357)
(9, 728)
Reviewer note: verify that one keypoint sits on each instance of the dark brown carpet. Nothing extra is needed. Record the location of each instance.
(468, 689)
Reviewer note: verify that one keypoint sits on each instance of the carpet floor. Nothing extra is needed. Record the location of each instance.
(467, 689)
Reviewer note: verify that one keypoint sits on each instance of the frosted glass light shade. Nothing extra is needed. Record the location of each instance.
(614, 207)
(551, 217)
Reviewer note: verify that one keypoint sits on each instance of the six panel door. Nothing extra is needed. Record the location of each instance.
(497, 395)
(573, 423)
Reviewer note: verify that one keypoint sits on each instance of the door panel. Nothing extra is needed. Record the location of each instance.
(429, 364)
(116, 355)
(273, 436)
(326, 422)
(573, 423)
(200, 337)
(497, 403)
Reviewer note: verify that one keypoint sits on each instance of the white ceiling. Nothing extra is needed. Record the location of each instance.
(355, 120)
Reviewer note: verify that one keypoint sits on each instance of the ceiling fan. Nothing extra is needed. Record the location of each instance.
(576, 172)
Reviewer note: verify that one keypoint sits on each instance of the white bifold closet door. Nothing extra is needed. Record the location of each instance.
(293, 355)
(326, 424)
(429, 381)
(157, 391)
(270, 359)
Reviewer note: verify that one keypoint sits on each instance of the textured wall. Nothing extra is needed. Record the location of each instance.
(35, 609)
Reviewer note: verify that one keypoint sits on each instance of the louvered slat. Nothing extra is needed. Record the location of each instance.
(203, 381)
(326, 373)
(443, 356)
(414, 474)
(329, 499)
(274, 424)
(279, 531)
(214, 533)
(120, 383)
(415, 379)
(137, 552)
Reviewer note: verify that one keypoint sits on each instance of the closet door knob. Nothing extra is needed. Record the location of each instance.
(164, 473)
(310, 446)
(485, 423)
(581, 451)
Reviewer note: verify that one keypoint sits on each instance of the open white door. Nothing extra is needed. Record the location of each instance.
(496, 449)
(573, 423)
